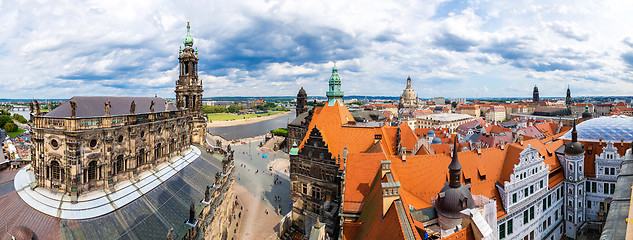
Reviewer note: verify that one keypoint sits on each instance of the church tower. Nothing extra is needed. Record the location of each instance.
(574, 185)
(334, 92)
(189, 88)
(302, 101)
(568, 98)
(535, 97)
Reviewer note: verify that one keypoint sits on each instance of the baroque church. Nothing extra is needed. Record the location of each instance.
(93, 142)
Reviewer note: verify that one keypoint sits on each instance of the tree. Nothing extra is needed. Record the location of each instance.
(19, 118)
(454, 104)
(10, 127)
(4, 112)
(280, 132)
(212, 109)
(4, 119)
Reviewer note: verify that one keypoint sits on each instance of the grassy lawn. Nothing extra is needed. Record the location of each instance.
(15, 134)
(231, 116)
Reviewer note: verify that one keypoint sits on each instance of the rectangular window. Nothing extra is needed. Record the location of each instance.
(544, 204)
(605, 190)
(509, 227)
(514, 198)
(544, 225)
(588, 186)
(541, 183)
(612, 188)
(588, 204)
(556, 215)
(532, 213)
(502, 231)
(526, 191)
(549, 201)
(531, 189)
(593, 187)
(525, 217)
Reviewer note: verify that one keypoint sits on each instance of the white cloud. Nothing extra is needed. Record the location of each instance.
(262, 48)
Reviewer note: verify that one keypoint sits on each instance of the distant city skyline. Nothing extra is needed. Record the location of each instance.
(268, 48)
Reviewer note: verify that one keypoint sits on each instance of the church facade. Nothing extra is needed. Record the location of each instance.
(90, 143)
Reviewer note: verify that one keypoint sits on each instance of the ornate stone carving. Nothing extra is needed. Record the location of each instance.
(107, 109)
(151, 107)
(132, 107)
(37, 107)
(73, 108)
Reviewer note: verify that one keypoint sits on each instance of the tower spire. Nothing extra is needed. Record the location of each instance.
(455, 168)
(188, 40)
(574, 133)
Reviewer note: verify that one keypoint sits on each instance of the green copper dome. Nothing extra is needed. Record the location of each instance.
(294, 150)
(188, 40)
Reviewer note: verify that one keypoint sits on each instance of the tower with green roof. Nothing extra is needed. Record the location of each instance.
(189, 87)
(334, 92)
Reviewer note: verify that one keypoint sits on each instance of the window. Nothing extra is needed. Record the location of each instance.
(55, 169)
(514, 198)
(606, 188)
(556, 215)
(531, 189)
(509, 227)
(544, 225)
(544, 204)
(532, 213)
(525, 217)
(502, 229)
(92, 170)
(588, 185)
(541, 183)
(526, 192)
(54, 143)
(588, 204)
(593, 187)
(549, 201)
(304, 188)
(612, 188)
(93, 143)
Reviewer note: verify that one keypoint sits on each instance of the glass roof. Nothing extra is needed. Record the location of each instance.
(610, 128)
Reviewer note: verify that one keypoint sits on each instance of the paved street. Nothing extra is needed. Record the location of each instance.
(257, 191)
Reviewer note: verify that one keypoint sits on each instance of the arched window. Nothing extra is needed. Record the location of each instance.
(120, 164)
(92, 170)
(140, 157)
(55, 170)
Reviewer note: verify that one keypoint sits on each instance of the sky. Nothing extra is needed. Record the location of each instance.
(60, 49)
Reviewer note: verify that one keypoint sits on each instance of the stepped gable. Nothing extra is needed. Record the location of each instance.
(330, 120)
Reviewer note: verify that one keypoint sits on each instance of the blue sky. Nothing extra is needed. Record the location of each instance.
(270, 48)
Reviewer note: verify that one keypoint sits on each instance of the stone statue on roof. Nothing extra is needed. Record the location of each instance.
(192, 213)
(31, 107)
(132, 107)
(207, 194)
(151, 107)
(73, 108)
(106, 109)
(37, 107)
(170, 234)
(166, 106)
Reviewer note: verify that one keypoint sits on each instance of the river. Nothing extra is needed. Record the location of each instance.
(26, 114)
(252, 129)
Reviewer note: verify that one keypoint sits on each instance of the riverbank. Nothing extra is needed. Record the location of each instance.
(246, 121)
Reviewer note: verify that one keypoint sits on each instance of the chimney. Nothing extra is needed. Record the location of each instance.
(621, 141)
(390, 193)
(600, 141)
(479, 148)
(502, 144)
(521, 140)
(385, 167)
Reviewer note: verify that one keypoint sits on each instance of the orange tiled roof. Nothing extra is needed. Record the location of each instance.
(364, 168)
